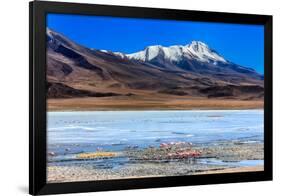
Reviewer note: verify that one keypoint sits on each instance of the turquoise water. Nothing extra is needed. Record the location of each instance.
(69, 133)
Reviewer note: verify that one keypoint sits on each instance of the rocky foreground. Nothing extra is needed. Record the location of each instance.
(169, 159)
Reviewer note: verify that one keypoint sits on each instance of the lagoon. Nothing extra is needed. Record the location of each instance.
(144, 128)
(75, 132)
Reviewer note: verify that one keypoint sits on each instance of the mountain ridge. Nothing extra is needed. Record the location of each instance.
(196, 49)
(174, 71)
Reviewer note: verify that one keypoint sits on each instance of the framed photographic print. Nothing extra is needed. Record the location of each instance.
(129, 98)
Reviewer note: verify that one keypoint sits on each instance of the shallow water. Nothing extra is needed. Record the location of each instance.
(70, 133)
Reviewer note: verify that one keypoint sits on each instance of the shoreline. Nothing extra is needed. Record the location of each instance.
(109, 104)
(148, 109)
(162, 110)
(157, 162)
(234, 170)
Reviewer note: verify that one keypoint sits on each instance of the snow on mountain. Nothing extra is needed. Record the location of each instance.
(119, 54)
(203, 52)
(49, 32)
(198, 50)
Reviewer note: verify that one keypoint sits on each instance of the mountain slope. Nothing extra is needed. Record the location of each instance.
(188, 71)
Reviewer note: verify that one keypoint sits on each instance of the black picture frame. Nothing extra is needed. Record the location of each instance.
(37, 100)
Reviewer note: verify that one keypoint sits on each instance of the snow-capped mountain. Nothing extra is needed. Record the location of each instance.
(195, 57)
(196, 50)
(194, 70)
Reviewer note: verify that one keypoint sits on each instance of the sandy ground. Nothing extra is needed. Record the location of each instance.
(149, 103)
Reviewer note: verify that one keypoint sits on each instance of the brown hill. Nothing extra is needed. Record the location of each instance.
(76, 71)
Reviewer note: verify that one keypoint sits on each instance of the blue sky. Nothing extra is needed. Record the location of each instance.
(241, 44)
